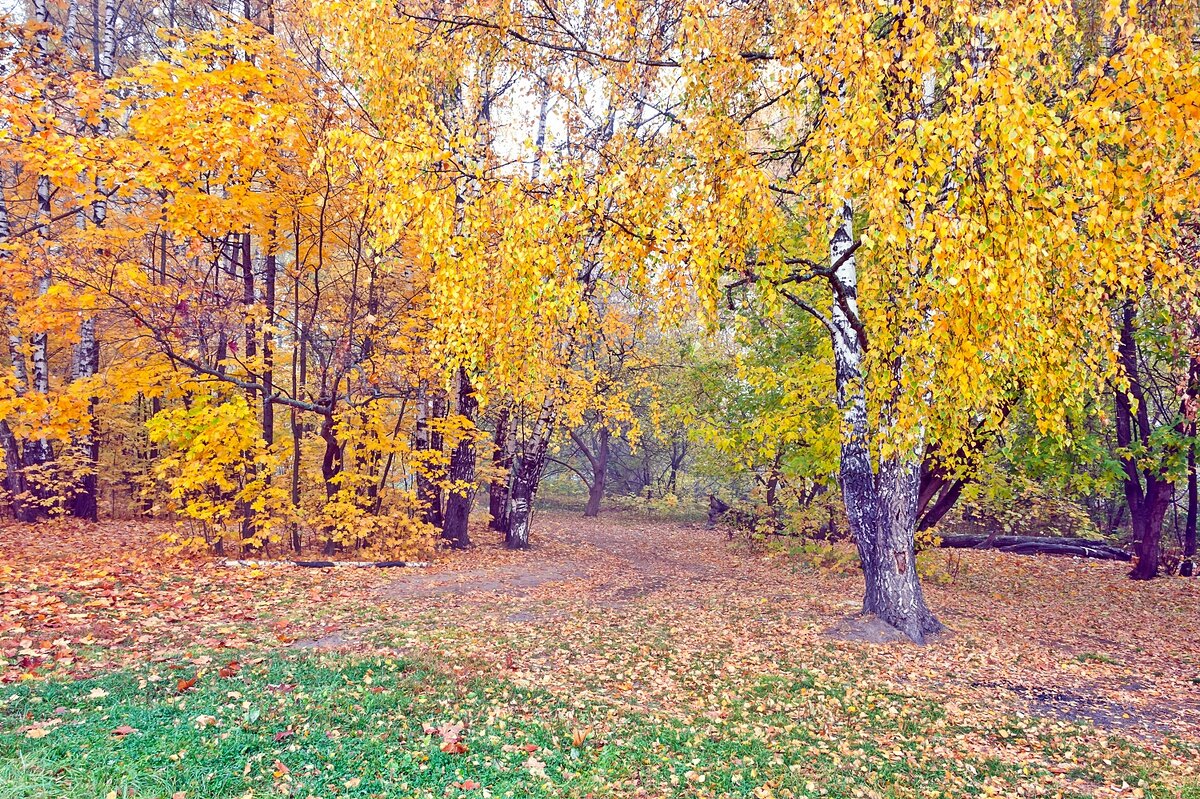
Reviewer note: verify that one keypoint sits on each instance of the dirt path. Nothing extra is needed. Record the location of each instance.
(681, 595)
(611, 562)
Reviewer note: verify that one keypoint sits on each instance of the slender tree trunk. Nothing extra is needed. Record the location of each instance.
(428, 446)
(249, 529)
(152, 458)
(531, 462)
(539, 143)
(83, 503)
(502, 459)
(14, 464)
(39, 452)
(461, 495)
(678, 453)
(270, 270)
(1187, 567)
(331, 467)
(881, 508)
(937, 495)
(299, 381)
(527, 474)
(599, 464)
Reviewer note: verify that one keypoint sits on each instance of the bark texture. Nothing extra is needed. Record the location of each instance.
(503, 449)
(461, 495)
(1148, 491)
(528, 467)
(881, 507)
(1037, 545)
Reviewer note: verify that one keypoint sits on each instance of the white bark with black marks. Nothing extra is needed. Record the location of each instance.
(881, 508)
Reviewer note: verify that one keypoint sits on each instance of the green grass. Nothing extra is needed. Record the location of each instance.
(355, 727)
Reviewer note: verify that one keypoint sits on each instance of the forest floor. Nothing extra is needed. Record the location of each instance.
(621, 657)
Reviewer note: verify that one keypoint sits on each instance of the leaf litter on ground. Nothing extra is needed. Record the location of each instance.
(1060, 677)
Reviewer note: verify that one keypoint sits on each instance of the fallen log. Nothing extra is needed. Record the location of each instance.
(1037, 545)
(332, 564)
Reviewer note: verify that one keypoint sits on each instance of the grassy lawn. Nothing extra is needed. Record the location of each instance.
(331, 724)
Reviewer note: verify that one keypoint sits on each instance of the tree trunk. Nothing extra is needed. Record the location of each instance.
(14, 475)
(249, 528)
(268, 342)
(14, 464)
(1148, 492)
(38, 452)
(331, 467)
(527, 474)
(428, 492)
(83, 502)
(299, 380)
(1187, 566)
(526, 477)
(1147, 523)
(937, 495)
(462, 472)
(881, 508)
(599, 464)
(502, 460)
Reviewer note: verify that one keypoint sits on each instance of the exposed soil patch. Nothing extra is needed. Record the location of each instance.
(510, 580)
(1150, 719)
(866, 629)
(334, 640)
(617, 564)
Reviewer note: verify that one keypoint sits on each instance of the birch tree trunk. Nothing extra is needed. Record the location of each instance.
(881, 508)
(39, 452)
(86, 363)
(14, 463)
(425, 441)
(528, 467)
